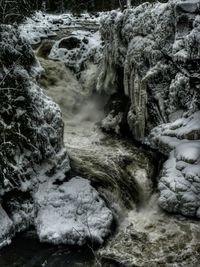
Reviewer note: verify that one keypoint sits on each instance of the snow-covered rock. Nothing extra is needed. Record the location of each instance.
(31, 123)
(43, 26)
(180, 179)
(72, 213)
(6, 228)
(76, 48)
(151, 55)
(31, 129)
(180, 182)
(167, 136)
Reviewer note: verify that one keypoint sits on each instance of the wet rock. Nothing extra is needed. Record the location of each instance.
(45, 48)
(57, 21)
(70, 43)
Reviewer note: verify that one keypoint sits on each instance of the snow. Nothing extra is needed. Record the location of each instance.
(5, 228)
(180, 182)
(167, 136)
(180, 179)
(154, 48)
(71, 213)
(43, 25)
(188, 152)
(89, 46)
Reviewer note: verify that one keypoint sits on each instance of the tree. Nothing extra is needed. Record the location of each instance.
(128, 3)
(16, 10)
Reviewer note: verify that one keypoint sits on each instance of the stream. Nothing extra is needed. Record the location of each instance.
(125, 175)
(27, 251)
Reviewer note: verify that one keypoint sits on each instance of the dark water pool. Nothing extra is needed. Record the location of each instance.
(26, 251)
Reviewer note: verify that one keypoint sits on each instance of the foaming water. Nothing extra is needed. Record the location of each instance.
(150, 237)
(121, 171)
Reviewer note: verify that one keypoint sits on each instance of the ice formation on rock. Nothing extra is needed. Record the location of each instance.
(33, 155)
(151, 55)
(76, 48)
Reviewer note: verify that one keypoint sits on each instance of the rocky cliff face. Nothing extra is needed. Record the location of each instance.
(151, 55)
(34, 189)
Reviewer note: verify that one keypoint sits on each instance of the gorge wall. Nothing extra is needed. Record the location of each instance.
(151, 57)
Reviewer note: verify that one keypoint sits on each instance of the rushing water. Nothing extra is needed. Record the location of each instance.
(146, 236)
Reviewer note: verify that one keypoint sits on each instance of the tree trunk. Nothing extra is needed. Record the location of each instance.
(128, 3)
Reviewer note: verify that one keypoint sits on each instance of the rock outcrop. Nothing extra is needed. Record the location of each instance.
(151, 55)
(77, 48)
(72, 213)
